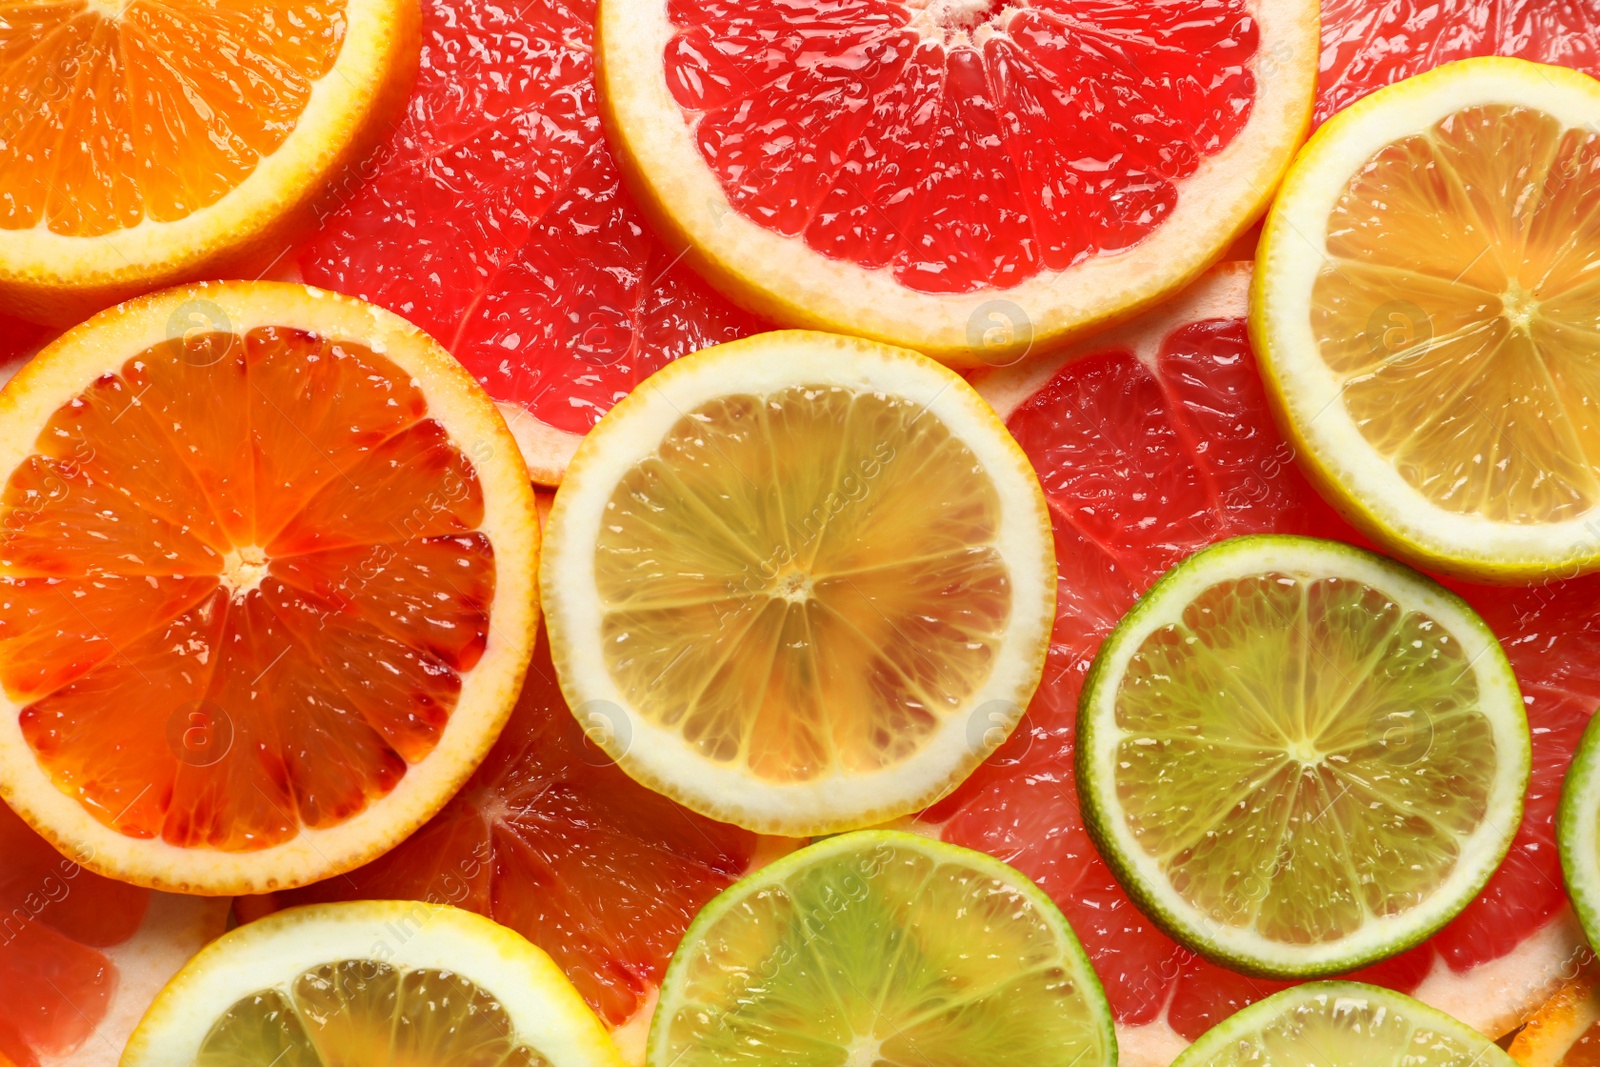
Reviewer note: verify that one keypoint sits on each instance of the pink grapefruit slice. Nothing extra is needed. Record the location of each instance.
(1151, 442)
(82, 956)
(494, 218)
(967, 178)
(552, 839)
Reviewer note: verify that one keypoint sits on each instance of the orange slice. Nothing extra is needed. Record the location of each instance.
(1565, 1032)
(145, 142)
(266, 586)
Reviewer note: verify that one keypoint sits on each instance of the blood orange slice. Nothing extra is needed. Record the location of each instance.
(82, 956)
(268, 586)
(1367, 45)
(1151, 442)
(967, 178)
(550, 838)
(494, 218)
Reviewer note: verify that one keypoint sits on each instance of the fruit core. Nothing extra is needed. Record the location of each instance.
(958, 22)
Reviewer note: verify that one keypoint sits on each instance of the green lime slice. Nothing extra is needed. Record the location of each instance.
(1578, 831)
(1300, 757)
(1342, 1024)
(878, 949)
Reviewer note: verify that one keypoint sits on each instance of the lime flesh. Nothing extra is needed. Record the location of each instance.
(1300, 757)
(886, 949)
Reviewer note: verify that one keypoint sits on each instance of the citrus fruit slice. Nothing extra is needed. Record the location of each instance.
(1565, 1031)
(82, 956)
(551, 839)
(146, 143)
(494, 218)
(805, 577)
(865, 948)
(1347, 740)
(371, 982)
(1578, 830)
(1343, 1024)
(968, 178)
(1366, 46)
(1153, 440)
(1425, 317)
(269, 586)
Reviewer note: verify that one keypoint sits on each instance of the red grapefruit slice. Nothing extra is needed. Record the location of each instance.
(494, 218)
(1153, 441)
(82, 956)
(550, 838)
(1367, 45)
(967, 178)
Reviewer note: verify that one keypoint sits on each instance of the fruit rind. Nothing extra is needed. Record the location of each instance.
(101, 346)
(1577, 827)
(59, 279)
(1073, 955)
(1379, 938)
(660, 758)
(546, 1009)
(751, 265)
(1236, 1029)
(1301, 389)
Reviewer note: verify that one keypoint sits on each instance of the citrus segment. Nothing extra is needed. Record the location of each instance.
(1343, 1024)
(374, 981)
(1350, 739)
(81, 956)
(1161, 402)
(551, 839)
(494, 218)
(1565, 1031)
(1366, 46)
(911, 171)
(808, 572)
(311, 494)
(1432, 349)
(859, 949)
(150, 141)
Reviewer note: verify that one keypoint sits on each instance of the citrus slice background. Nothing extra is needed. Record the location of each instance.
(808, 572)
(494, 218)
(1301, 757)
(259, 106)
(1151, 442)
(860, 949)
(1343, 1023)
(896, 169)
(550, 838)
(82, 956)
(173, 538)
(371, 982)
(1439, 389)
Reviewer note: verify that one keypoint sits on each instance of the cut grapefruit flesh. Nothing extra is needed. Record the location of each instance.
(148, 143)
(81, 956)
(963, 177)
(1151, 442)
(1367, 45)
(550, 838)
(268, 586)
(494, 218)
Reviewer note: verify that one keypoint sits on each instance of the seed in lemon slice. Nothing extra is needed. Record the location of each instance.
(882, 947)
(370, 982)
(1342, 1024)
(1428, 319)
(144, 143)
(800, 582)
(1300, 757)
(268, 587)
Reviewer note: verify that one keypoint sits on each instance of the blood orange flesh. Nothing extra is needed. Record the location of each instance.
(1150, 445)
(55, 918)
(550, 838)
(494, 219)
(962, 144)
